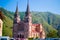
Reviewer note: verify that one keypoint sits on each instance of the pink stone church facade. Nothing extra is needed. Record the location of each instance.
(25, 28)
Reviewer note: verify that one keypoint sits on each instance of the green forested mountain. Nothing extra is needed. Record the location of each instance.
(49, 20)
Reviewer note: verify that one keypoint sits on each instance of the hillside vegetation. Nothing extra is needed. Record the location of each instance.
(49, 20)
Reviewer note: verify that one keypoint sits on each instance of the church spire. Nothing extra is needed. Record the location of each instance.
(16, 16)
(28, 18)
(16, 12)
(27, 10)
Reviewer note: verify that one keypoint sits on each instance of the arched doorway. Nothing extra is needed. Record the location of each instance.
(21, 36)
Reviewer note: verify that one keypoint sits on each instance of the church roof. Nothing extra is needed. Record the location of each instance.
(36, 25)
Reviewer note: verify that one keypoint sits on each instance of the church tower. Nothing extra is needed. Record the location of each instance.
(16, 22)
(28, 19)
(16, 16)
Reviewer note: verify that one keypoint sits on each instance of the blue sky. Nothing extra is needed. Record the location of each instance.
(35, 5)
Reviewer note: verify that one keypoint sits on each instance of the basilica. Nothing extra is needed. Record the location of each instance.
(25, 28)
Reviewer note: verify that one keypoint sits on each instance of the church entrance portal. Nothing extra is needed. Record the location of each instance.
(20, 36)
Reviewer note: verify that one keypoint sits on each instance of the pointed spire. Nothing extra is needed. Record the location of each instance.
(16, 12)
(28, 6)
(28, 2)
(17, 8)
(16, 16)
(28, 10)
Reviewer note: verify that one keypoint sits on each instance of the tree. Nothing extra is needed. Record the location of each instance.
(52, 34)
